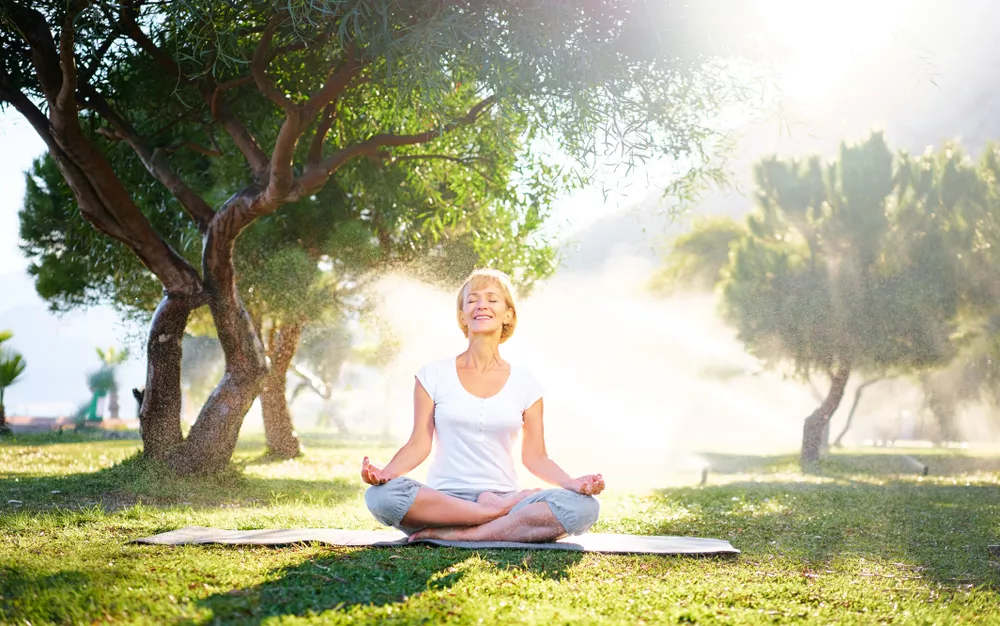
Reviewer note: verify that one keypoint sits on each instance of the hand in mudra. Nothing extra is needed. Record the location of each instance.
(589, 485)
(371, 474)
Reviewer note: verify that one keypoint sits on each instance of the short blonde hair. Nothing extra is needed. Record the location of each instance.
(481, 277)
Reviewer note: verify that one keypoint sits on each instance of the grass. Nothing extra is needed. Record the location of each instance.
(865, 541)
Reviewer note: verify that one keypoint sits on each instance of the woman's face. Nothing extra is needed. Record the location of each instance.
(485, 310)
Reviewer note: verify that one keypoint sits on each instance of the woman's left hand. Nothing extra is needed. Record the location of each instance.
(589, 485)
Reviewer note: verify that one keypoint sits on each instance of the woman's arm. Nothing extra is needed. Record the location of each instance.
(536, 459)
(415, 450)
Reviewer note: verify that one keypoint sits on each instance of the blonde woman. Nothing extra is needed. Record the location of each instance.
(474, 406)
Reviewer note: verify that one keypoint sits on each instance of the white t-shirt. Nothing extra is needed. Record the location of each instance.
(474, 436)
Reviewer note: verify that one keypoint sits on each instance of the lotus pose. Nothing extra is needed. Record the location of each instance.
(475, 405)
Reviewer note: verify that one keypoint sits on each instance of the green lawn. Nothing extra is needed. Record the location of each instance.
(866, 541)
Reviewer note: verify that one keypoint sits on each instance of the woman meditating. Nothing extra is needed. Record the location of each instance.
(475, 405)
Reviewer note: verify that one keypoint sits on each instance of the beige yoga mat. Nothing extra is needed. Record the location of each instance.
(590, 542)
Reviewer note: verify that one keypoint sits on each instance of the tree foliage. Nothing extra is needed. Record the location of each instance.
(877, 263)
(178, 126)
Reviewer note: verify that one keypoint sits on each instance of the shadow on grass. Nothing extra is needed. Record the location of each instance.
(906, 463)
(370, 577)
(67, 436)
(888, 463)
(900, 528)
(137, 480)
(253, 442)
(19, 587)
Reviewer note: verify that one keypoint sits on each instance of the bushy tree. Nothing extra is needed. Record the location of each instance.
(178, 125)
(874, 263)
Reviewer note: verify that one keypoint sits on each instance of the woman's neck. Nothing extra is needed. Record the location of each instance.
(483, 353)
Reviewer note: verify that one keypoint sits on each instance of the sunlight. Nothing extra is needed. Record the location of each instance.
(822, 43)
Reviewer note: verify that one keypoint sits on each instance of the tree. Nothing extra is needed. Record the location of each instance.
(12, 366)
(853, 266)
(309, 265)
(858, 391)
(302, 91)
(696, 258)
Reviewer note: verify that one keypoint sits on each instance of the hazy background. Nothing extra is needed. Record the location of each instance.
(615, 361)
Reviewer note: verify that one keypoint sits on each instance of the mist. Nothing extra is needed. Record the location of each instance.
(637, 386)
(634, 385)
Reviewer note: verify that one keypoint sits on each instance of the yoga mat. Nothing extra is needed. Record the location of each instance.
(590, 542)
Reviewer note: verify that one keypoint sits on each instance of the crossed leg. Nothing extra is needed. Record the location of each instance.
(432, 508)
(532, 523)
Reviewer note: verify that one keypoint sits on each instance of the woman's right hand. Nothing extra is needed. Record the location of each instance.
(589, 485)
(371, 474)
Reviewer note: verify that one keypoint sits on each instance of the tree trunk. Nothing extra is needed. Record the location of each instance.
(160, 411)
(4, 428)
(854, 407)
(106, 203)
(212, 440)
(815, 424)
(282, 442)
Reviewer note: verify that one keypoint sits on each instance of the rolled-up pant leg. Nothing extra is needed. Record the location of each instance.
(574, 511)
(390, 501)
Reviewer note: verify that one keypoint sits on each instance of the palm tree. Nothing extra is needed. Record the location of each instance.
(12, 366)
(111, 359)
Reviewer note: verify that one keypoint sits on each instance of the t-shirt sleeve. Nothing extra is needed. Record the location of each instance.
(532, 390)
(428, 377)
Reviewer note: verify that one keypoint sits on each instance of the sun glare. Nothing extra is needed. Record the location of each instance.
(822, 42)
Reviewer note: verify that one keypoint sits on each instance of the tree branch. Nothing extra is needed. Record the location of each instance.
(192, 146)
(301, 44)
(312, 381)
(154, 160)
(322, 129)
(100, 194)
(89, 73)
(316, 175)
(468, 162)
(130, 26)
(336, 83)
(31, 25)
(244, 141)
(281, 175)
(297, 117)
(66, 98)
(258, 67)
(226, 86)
(24, 106)
(446, 157)
(385, 139)
(125, 223)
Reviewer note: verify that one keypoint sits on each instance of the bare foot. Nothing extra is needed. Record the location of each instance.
(503, 504)
(448, 533)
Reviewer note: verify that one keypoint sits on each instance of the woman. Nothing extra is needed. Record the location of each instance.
(476, 405)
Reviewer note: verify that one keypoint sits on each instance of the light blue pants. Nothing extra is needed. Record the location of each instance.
(390, 501)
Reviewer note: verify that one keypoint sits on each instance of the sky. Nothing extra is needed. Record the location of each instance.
(59, 349)
(922, 70)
